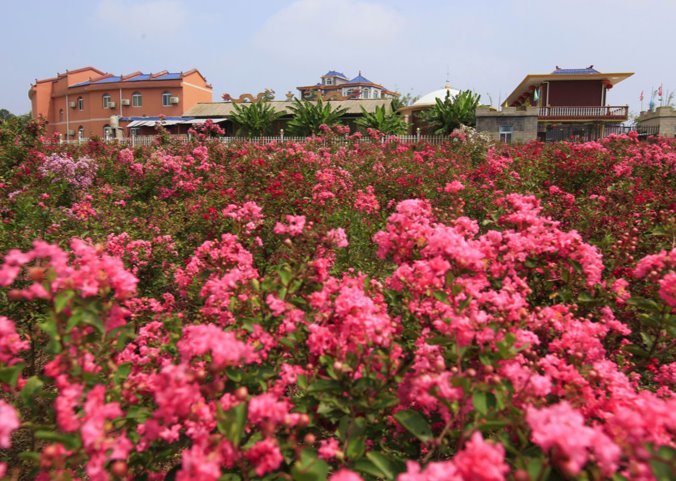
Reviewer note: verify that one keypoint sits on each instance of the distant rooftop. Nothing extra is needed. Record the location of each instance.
(360, 79)
(333, 73)
(135, 77)
(575, 71)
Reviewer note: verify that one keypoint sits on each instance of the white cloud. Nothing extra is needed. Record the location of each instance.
(146, 19)
(331, 29)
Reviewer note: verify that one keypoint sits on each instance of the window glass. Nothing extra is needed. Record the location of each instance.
(137, 100)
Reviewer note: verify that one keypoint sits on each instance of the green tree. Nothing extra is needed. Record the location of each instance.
(5, 115)
(403, 101)
(382, 120)
(308, 116)
(449, 114)
(254, 119)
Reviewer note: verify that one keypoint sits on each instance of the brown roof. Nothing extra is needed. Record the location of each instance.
(534, 80)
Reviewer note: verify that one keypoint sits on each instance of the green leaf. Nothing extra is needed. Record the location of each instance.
(324, 385)
(387, 466)
(355, 447)
(366, 466)
(62, 299)
(70, 441)
(309, 467)
(33, 383)
(415, 423)
(233, 423)
(285, 275)
(10, 375)
(534, 467)
(480, 402)
(122, 372)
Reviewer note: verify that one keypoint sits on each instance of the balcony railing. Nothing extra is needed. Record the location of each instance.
(584, 113)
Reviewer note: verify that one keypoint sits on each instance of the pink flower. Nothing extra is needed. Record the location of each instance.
(296, 224)
(9, 422)
(265, 455)
(328, 448)
(10, 342)
(225, 349)
(481, 461)
(345, 475)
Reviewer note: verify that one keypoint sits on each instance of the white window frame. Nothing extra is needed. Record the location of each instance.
(328, 81)
(107, 132)
(166, 99)
(137, 99)
(80, 134)
(106, 100)
(80, 103)
(506, 132)
(133, 131)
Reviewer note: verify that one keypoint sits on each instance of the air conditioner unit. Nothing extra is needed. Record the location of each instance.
(173, 100)
(71, 104)
(125, 102)
(70, 133)
(111, 105)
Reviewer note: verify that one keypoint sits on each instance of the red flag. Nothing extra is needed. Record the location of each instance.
(659, 91)
(641, 96)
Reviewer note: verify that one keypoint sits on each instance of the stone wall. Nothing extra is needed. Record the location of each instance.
(524, 123)
(664, 118)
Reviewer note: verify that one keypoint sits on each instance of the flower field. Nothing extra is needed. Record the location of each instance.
(337, 310)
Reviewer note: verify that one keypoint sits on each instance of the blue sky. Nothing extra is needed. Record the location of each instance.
(408, 45)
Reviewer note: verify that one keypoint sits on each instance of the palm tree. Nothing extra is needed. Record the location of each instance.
(380, 119)
(308, 116)
(450, 113)
(254, 119)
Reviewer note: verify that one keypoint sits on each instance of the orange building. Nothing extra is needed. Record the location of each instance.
(87, 102)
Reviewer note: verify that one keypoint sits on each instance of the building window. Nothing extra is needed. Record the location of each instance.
(134, 131)
(80, 133)
(506, 134)
(166, 99)
(80, 103)
(328, 81)
(137, 100)
(107, 132)
(365, 93)
(106, 101)
(60, 115)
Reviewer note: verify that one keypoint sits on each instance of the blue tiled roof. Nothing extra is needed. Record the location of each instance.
(333, 73)
(360, 79)
(143, 76)
(138, 78)
(575, 71)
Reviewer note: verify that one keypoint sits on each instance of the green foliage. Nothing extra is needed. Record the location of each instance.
(403, 101)
(308, 116)
(382, 120)
(255, 119)
(449, 114)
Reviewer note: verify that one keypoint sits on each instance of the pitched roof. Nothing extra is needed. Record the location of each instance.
(333, 73)
(134, 77)
(532, 81)
(360, 79)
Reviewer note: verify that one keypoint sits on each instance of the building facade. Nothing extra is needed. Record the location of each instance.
(87, 102)
(567, 103)
(336, 86)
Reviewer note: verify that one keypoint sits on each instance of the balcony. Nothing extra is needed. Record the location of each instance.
(606, 113)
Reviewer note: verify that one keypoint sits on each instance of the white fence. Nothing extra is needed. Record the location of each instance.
(143, 140)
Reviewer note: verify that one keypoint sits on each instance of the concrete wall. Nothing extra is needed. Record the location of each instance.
(664, 118)
(524, 123)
